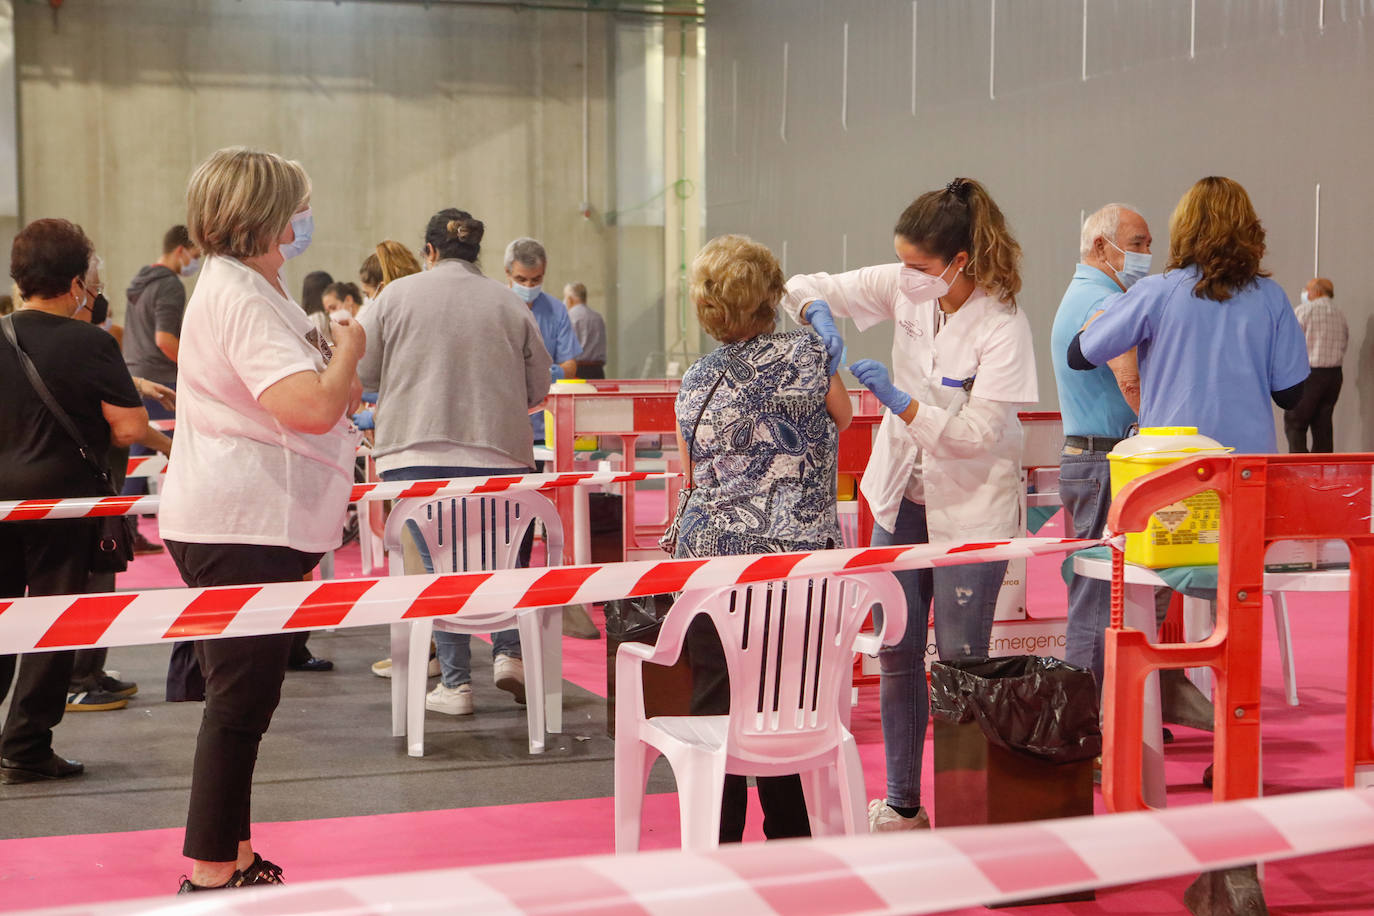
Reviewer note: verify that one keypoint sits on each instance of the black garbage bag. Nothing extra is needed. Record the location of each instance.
(637, 619)
(1023, 703)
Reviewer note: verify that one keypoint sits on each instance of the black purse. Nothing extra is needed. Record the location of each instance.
(115, 544)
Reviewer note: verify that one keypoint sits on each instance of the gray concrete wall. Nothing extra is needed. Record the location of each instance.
(1057, 116)
(395, 111)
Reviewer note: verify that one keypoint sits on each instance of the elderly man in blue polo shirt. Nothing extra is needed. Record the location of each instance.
(1098, 407)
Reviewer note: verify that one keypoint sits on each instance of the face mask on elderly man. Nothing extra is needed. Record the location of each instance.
(1135, 266)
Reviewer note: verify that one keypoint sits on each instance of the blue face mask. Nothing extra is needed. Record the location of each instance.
(527, 293)
(303, 225)
(1135, 266)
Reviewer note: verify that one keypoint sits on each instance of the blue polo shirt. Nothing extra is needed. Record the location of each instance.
(1204, 363)
(1090, 402)
(559, 339)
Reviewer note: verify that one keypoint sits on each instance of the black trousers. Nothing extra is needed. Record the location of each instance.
(781, 797)
(591, 370)
(243, 677)
(1313, 412)
(39, 558)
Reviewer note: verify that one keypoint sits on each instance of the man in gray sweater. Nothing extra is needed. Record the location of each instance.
(458, 364)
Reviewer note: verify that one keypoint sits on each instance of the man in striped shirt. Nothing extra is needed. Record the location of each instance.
(1327, 336)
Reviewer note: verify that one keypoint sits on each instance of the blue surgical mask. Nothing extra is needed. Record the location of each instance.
(191, 267)
(527, 293)
(303, 225)
(1135, 266)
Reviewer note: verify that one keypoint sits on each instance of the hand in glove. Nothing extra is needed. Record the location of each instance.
(875, 378)
(818, 315)
(556, 373)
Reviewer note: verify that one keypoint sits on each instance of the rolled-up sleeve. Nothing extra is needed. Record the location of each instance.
(1123, 323)
(867, 295)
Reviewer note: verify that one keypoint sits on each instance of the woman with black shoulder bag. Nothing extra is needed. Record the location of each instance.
(52, 445)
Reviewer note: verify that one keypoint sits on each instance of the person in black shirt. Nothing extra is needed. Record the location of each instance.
(82, 367)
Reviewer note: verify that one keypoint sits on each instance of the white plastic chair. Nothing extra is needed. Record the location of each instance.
(789, 646)
(469, 534)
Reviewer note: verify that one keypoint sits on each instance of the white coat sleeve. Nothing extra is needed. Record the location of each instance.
(868, 295)
(965, 432)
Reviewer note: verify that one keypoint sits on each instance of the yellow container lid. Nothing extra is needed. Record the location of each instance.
(1165, 444)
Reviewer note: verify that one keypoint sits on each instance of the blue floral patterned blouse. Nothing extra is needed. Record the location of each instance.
(765, 451)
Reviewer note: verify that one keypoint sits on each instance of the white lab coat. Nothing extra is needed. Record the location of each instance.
(961, 454)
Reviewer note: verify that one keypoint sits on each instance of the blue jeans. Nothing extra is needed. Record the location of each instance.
(964, 599)
(138, 486)
(1085, 490)
(455, 649)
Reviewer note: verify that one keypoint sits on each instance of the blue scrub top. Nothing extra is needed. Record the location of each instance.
(1090, 402)
(559, 339)
(1203, 363)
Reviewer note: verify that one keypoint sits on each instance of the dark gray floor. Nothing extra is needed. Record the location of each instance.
(329, 752)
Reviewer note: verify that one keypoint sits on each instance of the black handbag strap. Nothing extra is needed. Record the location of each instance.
(44, 395)
(691, 484)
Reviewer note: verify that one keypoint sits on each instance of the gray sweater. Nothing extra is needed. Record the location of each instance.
(455, 358)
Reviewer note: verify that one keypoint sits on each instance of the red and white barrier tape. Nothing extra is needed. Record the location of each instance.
(921, 871)
(146, 465)
(25, 510)
(139, 618)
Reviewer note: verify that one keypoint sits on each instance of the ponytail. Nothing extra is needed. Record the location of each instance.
(964, 217)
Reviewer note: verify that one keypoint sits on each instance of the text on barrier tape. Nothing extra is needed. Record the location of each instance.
(139, 618)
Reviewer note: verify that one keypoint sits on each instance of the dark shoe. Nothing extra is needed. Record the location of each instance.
(262, 872)
(188, 888)
(1207, 777)
(111, 684)
(13, 773)
(312, 664)
(143, 545)
(95, 701)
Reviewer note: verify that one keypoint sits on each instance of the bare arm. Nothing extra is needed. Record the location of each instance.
(169, 344)
(127, 424)
(165, 396)
(569, 367)
(838, 405)
(1127, 372)
(156, 440)
(312, 402)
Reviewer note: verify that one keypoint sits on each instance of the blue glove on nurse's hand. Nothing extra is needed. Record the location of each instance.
(818, 315)
(875, 378)
(363, 420)
(556, 373)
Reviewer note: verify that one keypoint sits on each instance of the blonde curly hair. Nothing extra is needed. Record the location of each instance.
(736, 284)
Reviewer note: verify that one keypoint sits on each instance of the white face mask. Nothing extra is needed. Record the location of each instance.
(919, 286)
(1303, 298)
(1136, 264)
(527, 293)
(191, 267)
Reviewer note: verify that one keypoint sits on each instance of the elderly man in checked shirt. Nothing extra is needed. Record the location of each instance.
(1327, 335)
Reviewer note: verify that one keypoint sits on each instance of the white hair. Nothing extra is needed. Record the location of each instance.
(1103, 224)
(527, 251)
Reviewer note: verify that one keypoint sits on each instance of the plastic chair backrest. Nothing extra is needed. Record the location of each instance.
(471, 533)
(789, 650)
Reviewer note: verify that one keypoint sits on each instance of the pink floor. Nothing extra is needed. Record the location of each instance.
(1303, 750)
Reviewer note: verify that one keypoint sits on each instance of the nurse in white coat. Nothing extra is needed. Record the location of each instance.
(946, 460)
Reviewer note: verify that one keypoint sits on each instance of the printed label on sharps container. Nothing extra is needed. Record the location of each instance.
(1195, 520)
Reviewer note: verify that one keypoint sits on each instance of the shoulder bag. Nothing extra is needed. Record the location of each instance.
(115, 547)
(669, 539)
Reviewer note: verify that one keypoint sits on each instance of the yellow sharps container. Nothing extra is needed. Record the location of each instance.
(574, 385)
(1185, 533)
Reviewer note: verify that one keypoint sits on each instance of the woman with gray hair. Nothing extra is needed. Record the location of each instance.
(258, 487)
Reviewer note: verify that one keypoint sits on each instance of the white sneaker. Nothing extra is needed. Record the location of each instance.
(883, 819)
(510, 675)
(383, 667)
(451, 701)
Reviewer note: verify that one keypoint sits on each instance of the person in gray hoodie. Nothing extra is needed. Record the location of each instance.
(458, 363)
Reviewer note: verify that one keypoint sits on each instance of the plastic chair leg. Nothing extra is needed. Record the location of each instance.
(532, 647)
(417, 665)
(849, 772)
(400, 653)
(551, 622)
(1285, 637)
(633, 761)
(700, 785)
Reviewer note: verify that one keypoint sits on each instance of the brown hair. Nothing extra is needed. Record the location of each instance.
(342, 291)
(736, 285)
(1215, 227)
(454, 233)
(964, 217)
(47, 255)
(240, 200)
(394, 261)
(174, 238)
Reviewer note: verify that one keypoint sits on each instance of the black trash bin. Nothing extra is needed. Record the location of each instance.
(667, 688)
(1015, 740)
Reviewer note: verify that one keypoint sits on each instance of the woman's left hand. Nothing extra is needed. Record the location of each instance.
(875, 378)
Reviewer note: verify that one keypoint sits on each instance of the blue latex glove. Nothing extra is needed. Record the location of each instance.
(875, 378)
(363, 420)
(556, 372)
(818, 315)
(370, 397)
